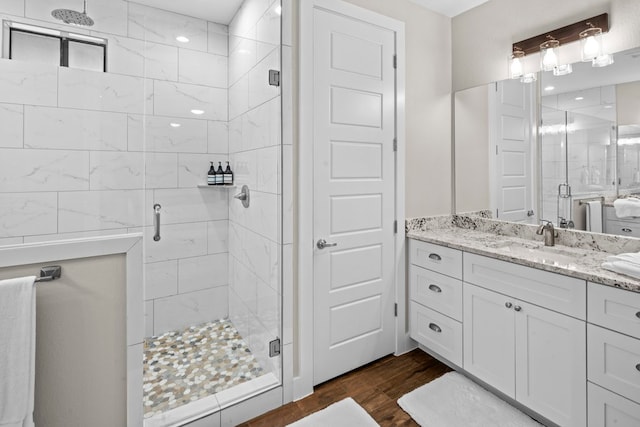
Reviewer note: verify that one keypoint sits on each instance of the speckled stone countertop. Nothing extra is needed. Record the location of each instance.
(577, 253)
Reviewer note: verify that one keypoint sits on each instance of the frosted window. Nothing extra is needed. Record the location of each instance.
(35, 48)
(86, 56)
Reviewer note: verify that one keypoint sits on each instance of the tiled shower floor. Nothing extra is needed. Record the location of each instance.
(187, 365)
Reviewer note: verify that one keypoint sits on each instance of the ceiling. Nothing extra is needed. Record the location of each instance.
(220, 11)
(449, 8)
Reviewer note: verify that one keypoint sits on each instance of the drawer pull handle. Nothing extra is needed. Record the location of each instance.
(435, 257)
(627, 230)
(508, 304)
(517, 308)
(437, 289)
(435, 327)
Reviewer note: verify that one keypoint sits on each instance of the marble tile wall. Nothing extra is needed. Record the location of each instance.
(255, 242)
(84, 153)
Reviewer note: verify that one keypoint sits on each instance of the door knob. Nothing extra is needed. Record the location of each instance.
(321, 244)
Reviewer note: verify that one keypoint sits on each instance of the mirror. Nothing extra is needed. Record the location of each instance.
(545, 150)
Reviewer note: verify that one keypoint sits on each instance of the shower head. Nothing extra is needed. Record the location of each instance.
(69, 16)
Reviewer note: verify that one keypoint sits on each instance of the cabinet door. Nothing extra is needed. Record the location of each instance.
(551, 364)
(489, 337)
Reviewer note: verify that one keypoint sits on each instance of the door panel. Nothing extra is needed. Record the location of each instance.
(514, 176)
(489, 338)
(354, 198)
(551, 364)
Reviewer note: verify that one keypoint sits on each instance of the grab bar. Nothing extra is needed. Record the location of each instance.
(49, 273)
(156, 222)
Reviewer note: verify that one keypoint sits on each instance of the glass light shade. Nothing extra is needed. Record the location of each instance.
(591, 44)
(602, 60)
(529, 78)
(562, 70)
(549, 54)
(516, 66)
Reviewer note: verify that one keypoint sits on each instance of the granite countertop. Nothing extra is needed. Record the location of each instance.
(576, 253)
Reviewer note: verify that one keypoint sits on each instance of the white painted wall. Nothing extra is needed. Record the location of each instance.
(482, 37)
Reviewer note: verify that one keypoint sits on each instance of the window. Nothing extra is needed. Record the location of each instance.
(35, 44)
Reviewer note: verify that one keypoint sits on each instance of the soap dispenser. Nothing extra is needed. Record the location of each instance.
(228, 175)
(211, 175)
(219, 175)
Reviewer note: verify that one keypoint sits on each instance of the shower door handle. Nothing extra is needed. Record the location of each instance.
(156, 222)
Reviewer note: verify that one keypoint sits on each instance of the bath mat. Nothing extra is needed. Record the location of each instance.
(454, 400)
(346, 413)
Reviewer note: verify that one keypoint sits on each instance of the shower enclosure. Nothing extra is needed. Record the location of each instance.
(110, 129)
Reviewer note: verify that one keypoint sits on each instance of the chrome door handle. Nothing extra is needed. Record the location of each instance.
(435, 328)
(156, 222)
(321, 244)
(508, 304)
(517, 308)
(435, 257)
(530, 213)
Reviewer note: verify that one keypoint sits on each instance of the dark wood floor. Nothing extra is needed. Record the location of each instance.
(376, 387)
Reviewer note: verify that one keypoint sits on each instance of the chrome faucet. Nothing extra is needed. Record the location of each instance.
(549, 232)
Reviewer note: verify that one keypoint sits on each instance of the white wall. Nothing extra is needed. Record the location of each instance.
(428, 104)
(84, 153)
(482, 37)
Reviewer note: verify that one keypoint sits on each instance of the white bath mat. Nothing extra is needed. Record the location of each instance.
(455, 401)
(346, 413)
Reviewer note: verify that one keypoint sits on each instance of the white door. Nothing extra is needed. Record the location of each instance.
(489, 337)
(551, 368)
(513, 169)
(354, 178)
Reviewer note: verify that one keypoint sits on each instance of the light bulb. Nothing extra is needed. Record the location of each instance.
(591, 47)
(516, 68)
(549, 60)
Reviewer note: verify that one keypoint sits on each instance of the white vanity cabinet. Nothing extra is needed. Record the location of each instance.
(534, 355)
(614, 357)
(435, 292)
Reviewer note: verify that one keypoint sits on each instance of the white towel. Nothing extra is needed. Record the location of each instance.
(629, 207)
(17, 351)
(594, 216)
(623, 267)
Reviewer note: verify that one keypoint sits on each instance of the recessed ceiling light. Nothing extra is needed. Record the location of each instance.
(579, 98)
(175, 125)
(197, 112)
(549, 88)
(182, 39)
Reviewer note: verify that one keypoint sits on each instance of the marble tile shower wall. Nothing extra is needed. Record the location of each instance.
(85, 153)
(254, 145)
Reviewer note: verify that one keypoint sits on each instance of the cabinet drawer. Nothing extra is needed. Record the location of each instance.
(614, 308)
(623, 228)
(436, 291)
(608, 409)
(437, 332)
(614, 361)
(440, 259)
(556, 292)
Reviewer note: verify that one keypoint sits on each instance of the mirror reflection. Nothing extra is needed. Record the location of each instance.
(562, 149)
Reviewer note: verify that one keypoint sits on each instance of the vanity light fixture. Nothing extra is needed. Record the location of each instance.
(588, 31)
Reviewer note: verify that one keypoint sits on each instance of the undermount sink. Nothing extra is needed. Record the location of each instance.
(537, 252)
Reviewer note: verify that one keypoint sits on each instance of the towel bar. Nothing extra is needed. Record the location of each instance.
(593, 199)
(49, 273)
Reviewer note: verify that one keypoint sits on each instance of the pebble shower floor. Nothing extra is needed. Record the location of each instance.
(187, 365)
